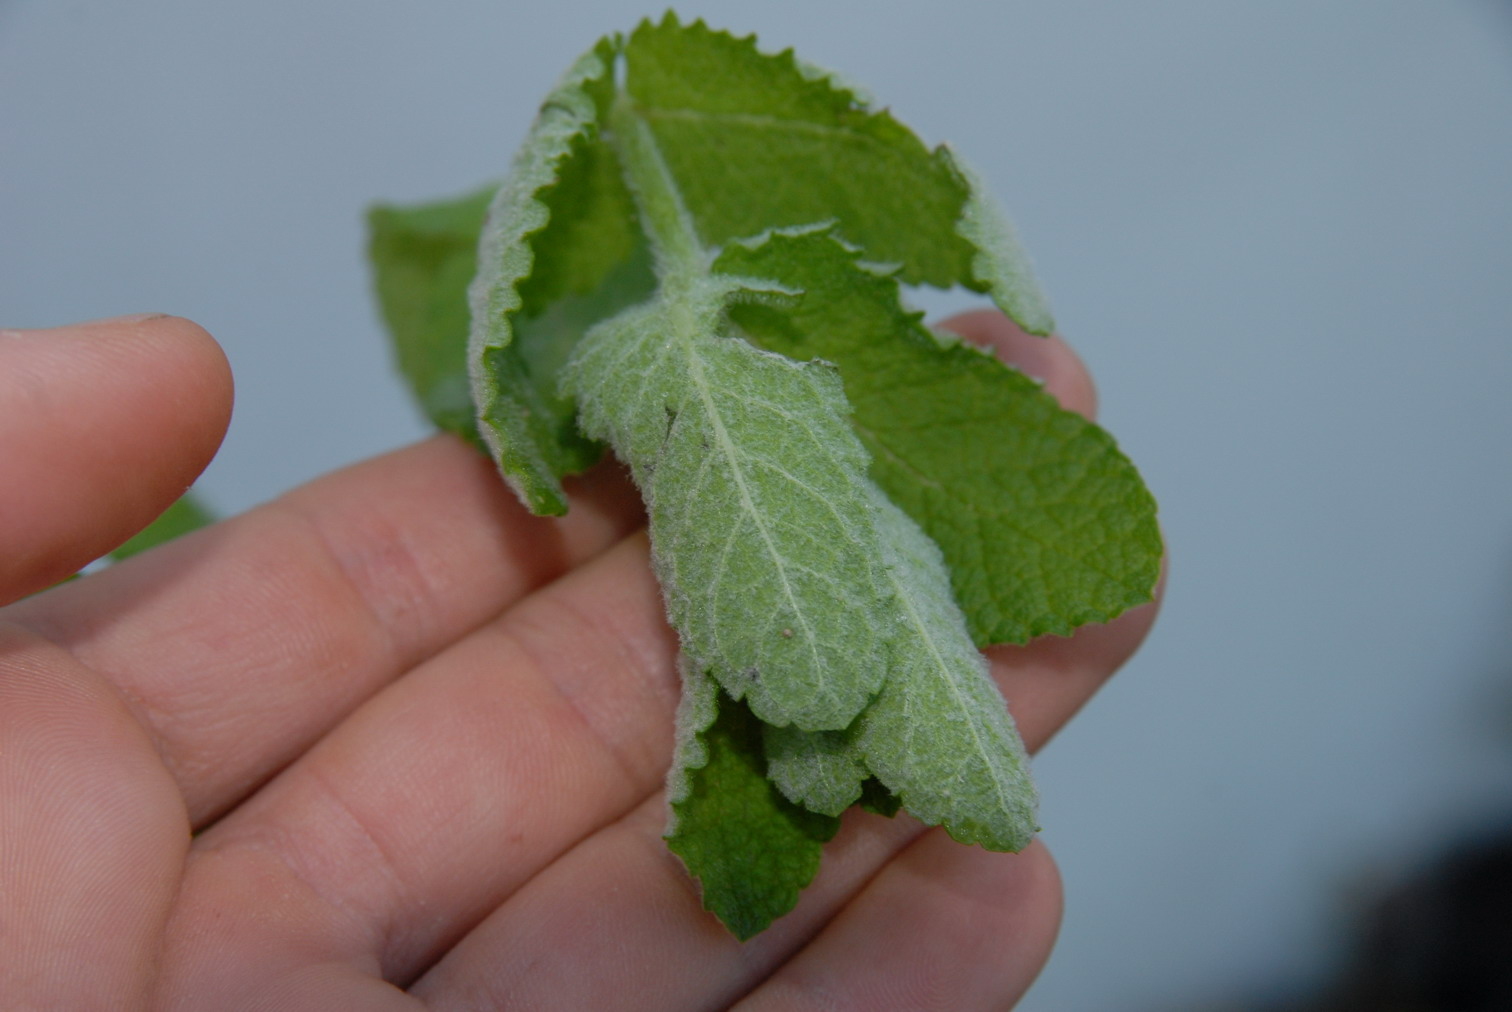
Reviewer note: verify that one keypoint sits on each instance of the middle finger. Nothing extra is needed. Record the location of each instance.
(622, 892)
(441, 795)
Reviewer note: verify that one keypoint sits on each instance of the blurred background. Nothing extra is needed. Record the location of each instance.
(1280, 233)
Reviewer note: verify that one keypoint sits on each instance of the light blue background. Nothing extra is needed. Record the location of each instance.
(1280, 233)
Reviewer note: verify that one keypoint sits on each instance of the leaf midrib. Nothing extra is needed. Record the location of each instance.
(683, 265)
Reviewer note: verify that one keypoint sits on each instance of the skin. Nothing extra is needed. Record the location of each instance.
(389, 742)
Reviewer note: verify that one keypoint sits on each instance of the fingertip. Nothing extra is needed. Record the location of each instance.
(102, 426)
(962, 928)
(207, 388)
(1048, 359)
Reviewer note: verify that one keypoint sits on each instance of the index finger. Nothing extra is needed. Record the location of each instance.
(238, 646)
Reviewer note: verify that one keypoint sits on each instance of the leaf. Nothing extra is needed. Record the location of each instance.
(762, 528)
(751, 849)
(560, 227)
(878, 799)
(1043, 521)
(1001, 266)
(820, 770)
(423, 259)
(939, 736)
(757, 141)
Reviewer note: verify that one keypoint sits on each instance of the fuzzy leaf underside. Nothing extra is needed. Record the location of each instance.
(563, 207)
(751, 850)
(820, 770)
(938, 737)
(1044, 522)
(762, 529)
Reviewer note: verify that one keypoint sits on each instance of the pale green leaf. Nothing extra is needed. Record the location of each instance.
(1001, 263)
(940, 736)
(762, 528)
(560, 226)
(751, 850)
(820, 770)
(1044, 522)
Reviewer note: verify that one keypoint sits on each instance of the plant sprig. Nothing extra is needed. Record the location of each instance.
(700, 268)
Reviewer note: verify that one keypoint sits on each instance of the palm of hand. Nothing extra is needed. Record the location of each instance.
(390, 742)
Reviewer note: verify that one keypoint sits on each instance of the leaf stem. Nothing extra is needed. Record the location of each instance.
(681, 256)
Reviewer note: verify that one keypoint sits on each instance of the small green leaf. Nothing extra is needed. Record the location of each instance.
(1001, 266)
(938, 738)
(820, 770)
(750, 848)
(878, 799)
(186, 514)
(762, 527)
(1044, 522)
(423, 258)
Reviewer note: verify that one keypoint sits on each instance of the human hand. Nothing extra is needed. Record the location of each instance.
(390, 742)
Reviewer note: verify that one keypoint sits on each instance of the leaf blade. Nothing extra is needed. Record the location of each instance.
(762, 528)
(820, 770)
(751, 850)
(423, 257)
(800, 146)
(1044, 522)
(939, 735)
(526, 422)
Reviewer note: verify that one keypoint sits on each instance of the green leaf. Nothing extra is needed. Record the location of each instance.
(762, 528)
(1001, 266)
(878, 799)
(939, 736)
(423, 258)
(820, 770)
(751, 849)
(561, 227)
(758, 141)
(1044, 522)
